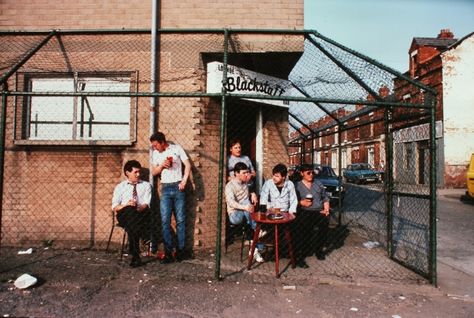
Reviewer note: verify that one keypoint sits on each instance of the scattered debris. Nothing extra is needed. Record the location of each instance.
(458, 297)
(25, 281)
(371, 244)
(354, 309)
(396, 316)
(289, 287)
(402, 297)
(28, 251)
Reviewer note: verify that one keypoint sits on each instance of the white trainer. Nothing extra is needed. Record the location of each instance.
(258, 258)
(262, 234)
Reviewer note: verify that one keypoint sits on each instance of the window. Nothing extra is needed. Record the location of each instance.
(316, 157)
(344, 158)
(371, 156)
(334, 159)
(78, 118)
(408, 156)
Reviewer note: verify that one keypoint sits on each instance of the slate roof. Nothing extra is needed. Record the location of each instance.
(441, 43)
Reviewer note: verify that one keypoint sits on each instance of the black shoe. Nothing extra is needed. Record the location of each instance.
(181, 255)
(302, 264)
(321, 256)
(167, 259)
(136, 261)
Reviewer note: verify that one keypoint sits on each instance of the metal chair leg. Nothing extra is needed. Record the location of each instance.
(110, 235)
(123, 244)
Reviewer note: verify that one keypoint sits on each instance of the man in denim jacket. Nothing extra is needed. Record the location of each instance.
(279, 192)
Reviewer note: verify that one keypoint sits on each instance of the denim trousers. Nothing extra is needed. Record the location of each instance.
(173, 200)
(237, 217)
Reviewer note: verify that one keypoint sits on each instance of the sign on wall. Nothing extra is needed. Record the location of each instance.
(417, 133)
(243, 81)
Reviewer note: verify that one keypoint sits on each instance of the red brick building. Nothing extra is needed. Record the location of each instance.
(432, 62)
(59, 188)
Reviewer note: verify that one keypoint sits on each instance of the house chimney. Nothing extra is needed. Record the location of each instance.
(445, 34)
(384, 91)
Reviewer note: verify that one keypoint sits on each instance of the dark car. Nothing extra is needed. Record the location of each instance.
(326, 175)
(361, 172)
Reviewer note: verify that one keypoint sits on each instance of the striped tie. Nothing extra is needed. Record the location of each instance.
(134, 192)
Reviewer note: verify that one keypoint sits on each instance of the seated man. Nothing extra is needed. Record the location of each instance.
(313, 212)
(240, 202)
(131, 203)
(278, 191)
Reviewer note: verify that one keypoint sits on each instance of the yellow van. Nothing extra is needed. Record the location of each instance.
(470, 178)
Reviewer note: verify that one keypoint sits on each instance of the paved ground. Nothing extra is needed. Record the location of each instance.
(455, 243)
(75, 283)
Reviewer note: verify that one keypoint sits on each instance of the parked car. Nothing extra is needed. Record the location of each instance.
(326, 175)
(361, 172)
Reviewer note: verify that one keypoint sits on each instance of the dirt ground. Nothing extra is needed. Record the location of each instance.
(85, 283)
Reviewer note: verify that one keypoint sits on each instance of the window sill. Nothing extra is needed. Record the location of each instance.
(73, 143)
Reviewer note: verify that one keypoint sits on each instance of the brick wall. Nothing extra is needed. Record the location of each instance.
(113, 14)
(75, 204)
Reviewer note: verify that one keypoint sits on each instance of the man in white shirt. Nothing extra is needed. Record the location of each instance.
(131, 203)
(167, 161)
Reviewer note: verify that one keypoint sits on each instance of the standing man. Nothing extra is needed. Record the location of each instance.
(278, 191)
(131, 203)
(313, 212)
(167, 160)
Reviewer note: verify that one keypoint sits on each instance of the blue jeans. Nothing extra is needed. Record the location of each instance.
(237, 217)
(171, 198)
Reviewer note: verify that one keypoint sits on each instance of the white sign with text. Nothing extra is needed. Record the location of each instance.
(243, 81)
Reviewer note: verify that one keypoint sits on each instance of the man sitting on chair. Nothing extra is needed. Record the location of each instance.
(131, 203)
(240, 202)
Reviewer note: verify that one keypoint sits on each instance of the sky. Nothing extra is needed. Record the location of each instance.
(384, 29)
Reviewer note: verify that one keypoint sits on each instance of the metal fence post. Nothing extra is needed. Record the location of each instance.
(389, 179)
(433, 179)
(221, 161)
(2, 155)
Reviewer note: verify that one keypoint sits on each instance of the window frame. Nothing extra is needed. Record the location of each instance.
(21, 137)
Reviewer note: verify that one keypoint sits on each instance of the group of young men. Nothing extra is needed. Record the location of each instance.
(308, 200)
(132, 198)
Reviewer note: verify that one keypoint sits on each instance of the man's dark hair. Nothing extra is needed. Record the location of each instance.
(240, 166)
(129, 165)
(158, 136)
(306, 167)
(234, 142)
(281, 169)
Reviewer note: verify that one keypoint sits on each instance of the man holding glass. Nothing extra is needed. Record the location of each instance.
(167, 161)
(131, 203)
(313, 212)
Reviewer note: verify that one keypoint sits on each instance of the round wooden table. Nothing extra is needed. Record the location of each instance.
(265, 218)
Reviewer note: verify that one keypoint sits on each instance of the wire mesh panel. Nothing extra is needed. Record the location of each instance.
(80, 107)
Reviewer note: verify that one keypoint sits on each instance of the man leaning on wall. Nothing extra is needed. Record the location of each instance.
(167, 161)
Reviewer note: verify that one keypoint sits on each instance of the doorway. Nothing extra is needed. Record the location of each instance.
(242, 125)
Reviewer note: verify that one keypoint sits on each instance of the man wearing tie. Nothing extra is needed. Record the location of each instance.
(131, 203)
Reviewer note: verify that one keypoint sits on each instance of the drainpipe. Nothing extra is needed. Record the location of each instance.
(3, 120)
(155, 71)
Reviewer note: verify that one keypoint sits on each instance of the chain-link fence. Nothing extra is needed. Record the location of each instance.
(77, 106)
